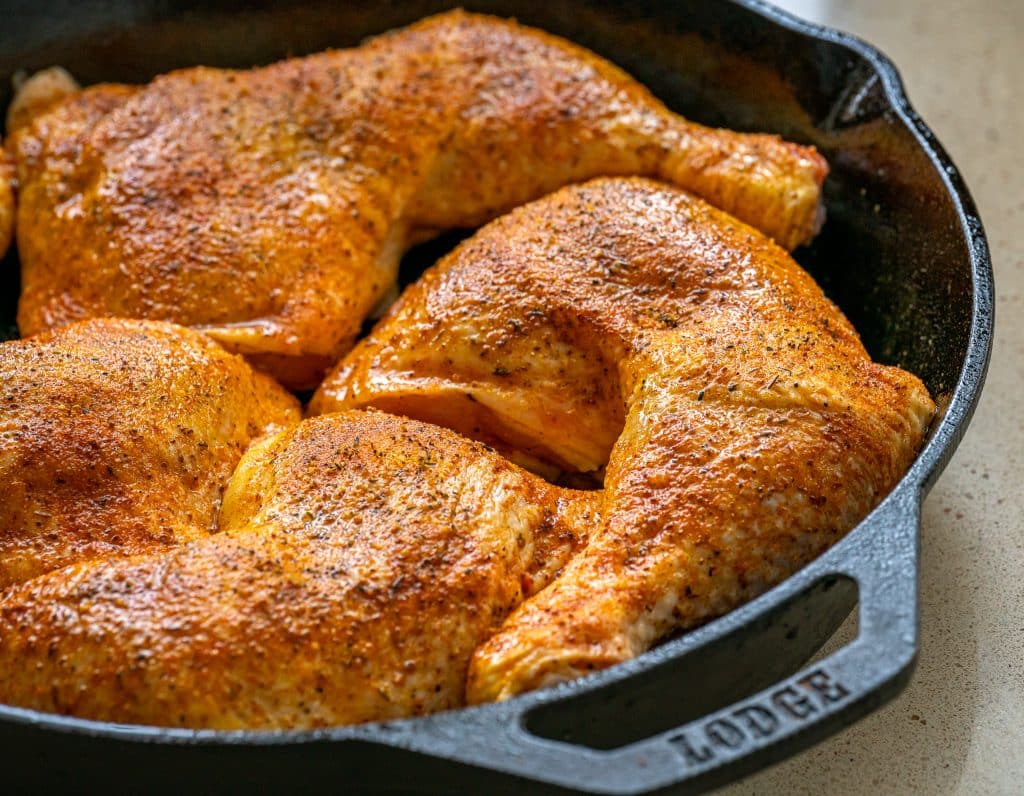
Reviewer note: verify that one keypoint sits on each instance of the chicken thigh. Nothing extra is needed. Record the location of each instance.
(270, 207)
(362, 559)
(744, 427)
(118, 437)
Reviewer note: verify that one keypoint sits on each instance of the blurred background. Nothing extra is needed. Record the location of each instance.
(959, 726)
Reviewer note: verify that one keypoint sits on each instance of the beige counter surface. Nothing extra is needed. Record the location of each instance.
(958, 728)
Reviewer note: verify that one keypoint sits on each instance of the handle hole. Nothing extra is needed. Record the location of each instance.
(771, 647)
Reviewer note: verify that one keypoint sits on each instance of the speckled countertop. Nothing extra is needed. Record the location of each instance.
(959, 725)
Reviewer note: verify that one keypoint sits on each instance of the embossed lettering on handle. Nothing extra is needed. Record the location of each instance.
(760, 718)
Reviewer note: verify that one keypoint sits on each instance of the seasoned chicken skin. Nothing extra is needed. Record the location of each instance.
(118, 437)
(35, 96)
(362, 559)
(744, 427)
(270, 206)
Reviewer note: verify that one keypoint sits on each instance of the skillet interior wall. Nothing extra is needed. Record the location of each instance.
(890, 254)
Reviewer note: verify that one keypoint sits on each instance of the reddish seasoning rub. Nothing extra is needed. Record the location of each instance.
(369, 566)
(362, 558)
(270, 206)
(118, 437)
(744, 427)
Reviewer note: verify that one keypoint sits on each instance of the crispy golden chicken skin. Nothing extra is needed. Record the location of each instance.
(270, 206)
(362, 559)
(744, 427)
(118, 437)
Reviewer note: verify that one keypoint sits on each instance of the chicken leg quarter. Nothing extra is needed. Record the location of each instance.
(270, 207)
(744, 427)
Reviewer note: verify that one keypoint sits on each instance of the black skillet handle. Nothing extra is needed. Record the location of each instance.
(828, 695)
(881, 556)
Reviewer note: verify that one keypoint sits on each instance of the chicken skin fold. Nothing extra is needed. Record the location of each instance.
(270, 207)
(118, 437)
(628, 325)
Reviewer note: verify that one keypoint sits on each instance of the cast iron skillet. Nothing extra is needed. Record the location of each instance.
(904, 255)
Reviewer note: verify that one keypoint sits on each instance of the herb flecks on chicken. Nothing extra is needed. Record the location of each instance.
(270, 207)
